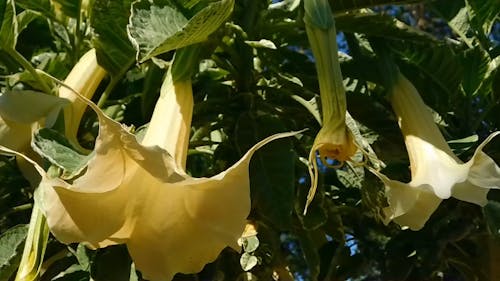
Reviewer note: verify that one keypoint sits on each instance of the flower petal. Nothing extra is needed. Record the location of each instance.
(483, 175)
(434, 167)
(409, 205)
(469, 192)
(14, 135)
(95, 206)
(83, 78)
(418, 203)
(137, 195)
(195, 219)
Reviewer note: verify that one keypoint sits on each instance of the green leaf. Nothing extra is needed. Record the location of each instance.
(159, 27)
(271, 169)
(347, 5)
(73, 273)
(262, 43)
(133, 273)
(71, 8)
(472, 22)
(492, 215)
(441, 64)
(150, 92)
(82, 256)
(111, 264)
(460, 25)
(381, 26)
(483, 14)
(14, 105)
(8, 28)
(11, 245)
(109, 20)
(35, 246)
(476, 66)
(24, 18)
(54, 147)
(286, 5)
(43, 7)
(311, 255)
(493, 75)
(250, 244)
(3, 5)
(188, 4)
(464, 144)
(248, 261)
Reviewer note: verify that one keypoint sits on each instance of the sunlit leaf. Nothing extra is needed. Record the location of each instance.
(70, 8)
(55, 148)
(248, 261)
(346, 5)
(8, 27)
(460, 24)
(109, 20)
(11, 243)
(271, 169)
(250, 244)
(483, 14)
(383, 26)
(43, 7)
(159, 27)
(262, 43)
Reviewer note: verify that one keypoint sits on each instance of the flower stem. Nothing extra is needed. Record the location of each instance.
(27, 65)
(170, 124)
(34, 247)
(321, 33)
(109, 88)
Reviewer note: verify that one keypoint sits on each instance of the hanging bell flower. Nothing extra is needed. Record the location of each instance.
(139, 194)
(436, 172)
(84, 78)
(334, 141)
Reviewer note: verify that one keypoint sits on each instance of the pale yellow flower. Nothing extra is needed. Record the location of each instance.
(14, 135)
(23, 112)
(84, 78)
(436, 172)
(140, 195)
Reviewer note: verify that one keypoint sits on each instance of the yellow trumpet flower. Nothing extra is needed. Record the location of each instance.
(139, 194)
(14, 135)
(436, 172)
(84, 78)
(22, 112)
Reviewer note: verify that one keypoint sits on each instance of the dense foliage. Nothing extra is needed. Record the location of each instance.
(252, 77)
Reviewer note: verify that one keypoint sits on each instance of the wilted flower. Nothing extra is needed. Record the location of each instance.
(436, 172)
(334, 140)
(140, 195)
